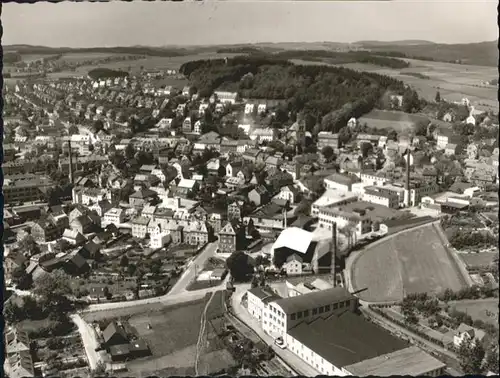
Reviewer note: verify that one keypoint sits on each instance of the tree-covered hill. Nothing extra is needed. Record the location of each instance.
(312, 89)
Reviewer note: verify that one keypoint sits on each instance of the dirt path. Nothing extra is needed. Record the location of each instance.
(89, 340)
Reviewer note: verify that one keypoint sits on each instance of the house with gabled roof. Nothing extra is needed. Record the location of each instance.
(259, 195)
(141, 197)
(73, 237)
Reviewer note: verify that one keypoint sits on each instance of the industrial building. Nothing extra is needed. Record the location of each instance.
(325, 330)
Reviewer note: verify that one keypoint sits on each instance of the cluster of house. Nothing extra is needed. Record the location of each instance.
(18, 360)
(119, 345)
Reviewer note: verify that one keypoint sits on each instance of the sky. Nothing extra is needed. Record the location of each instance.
(85, 24)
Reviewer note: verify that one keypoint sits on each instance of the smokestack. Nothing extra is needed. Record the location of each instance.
(408, 177)
(284, 218)
(71, 178)
(334, 252)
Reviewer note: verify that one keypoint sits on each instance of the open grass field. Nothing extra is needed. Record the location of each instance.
(454, 81)
(173, 329)
(477, 260)
(173, 337)
(413, 261)
(396, 120)
(478, 309)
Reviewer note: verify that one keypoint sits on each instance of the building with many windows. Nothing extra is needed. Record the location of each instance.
(378, 195)
(325, 331)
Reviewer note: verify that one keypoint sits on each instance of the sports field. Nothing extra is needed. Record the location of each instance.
(413, 261)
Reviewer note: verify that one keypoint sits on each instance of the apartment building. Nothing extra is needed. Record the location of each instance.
(326, 138)
(113, 216)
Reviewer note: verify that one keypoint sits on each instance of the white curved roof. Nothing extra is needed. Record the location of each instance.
(294, 238)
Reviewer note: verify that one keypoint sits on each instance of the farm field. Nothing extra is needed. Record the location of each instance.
(454, 81)
(414, 261)
(476, 260)
(149, 63)
(478, 309)
(75, 57)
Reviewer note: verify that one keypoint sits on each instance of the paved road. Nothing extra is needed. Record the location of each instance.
(291, 359)
(89, 340)
(194, 267)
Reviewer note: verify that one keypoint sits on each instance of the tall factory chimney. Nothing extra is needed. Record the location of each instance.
(407, 183)
(71, 178)
(333, 253)
(284, 219)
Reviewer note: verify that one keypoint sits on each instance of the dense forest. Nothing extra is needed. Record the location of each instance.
(333, 57)
(328, 95)
(106, 73)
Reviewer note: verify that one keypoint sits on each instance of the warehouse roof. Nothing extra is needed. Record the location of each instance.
(315, 299)
(346, 339)
(411, 361)
(294, 238)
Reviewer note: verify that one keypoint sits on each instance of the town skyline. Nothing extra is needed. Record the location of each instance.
(318, 21)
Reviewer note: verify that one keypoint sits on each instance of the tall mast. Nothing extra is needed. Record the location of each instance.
(71, 177)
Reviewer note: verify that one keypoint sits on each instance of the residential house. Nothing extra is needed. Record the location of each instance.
(140, 227)
(451, 149)
(227, 239)
(234, 211)
(114, 216)
(229, 146)
(445, 137)
(73, 237)
(44, 231)
(293, 265)
(467, 334)
(187, 125)
(472, 151)
(326, 138)
(273, 161)
(259, 196)
(232, 168)
(83, 224)
(196, 233)
(263, 134)
(226, 97)
(249, 108)
(141, 197)
(288, 193)
(253, 155)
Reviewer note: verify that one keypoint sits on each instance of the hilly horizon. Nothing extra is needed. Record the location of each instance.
(478, 53)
